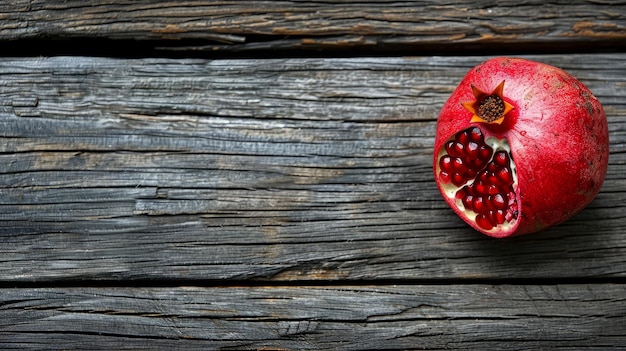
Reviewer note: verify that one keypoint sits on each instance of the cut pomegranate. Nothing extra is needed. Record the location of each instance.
(520, 146)
(479, 175)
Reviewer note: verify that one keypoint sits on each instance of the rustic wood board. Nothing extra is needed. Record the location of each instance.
(277, 203)
(274, 169)
(374, 26)
(460, 317)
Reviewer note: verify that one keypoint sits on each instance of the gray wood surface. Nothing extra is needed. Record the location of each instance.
(266, 196)
(286, 169)
(375, 26)
(461, 317)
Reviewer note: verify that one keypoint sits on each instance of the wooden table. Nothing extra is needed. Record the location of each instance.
(257, 176)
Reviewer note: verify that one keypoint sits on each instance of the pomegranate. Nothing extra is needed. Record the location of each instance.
(520, 146)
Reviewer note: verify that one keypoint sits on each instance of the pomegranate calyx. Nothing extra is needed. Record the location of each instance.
(488, 108)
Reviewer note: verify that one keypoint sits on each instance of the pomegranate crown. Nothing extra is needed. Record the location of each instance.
(488, 108)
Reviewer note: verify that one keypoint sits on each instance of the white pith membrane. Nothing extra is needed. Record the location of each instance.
(450, 189)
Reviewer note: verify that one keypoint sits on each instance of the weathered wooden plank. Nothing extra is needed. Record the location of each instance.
(464, 317)
(284, 169)
(237, 26)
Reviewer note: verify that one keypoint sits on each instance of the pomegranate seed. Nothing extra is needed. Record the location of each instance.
(480, 187)
(467, 202)
(458, 149)
(498, 217)
(504, 176)
(458, 179)
(444, 177)
(470, 173)
(497, 201)
(484, 222)
(471, 150)
(484, 152)
(476, 135)
(501, 159)
(463, 137)
(445, 163)
(461, 193)
(491, 216)
(492, 189)
(482, 177)
(479, 205)
(459, 166)
(448, 146)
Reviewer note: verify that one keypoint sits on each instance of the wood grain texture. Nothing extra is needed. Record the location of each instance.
(277, 203)
(237, 26)
(282, 169)
(460, 317)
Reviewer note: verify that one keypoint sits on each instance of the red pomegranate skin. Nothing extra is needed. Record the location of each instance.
(558, 137)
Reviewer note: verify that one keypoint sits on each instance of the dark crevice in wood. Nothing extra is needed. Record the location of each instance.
(266, 46)
(173, 283)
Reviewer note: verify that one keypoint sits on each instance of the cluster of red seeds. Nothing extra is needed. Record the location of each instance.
(490, 193)
(466, 155)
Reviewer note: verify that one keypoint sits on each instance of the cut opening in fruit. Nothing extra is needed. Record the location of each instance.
(478, 174)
